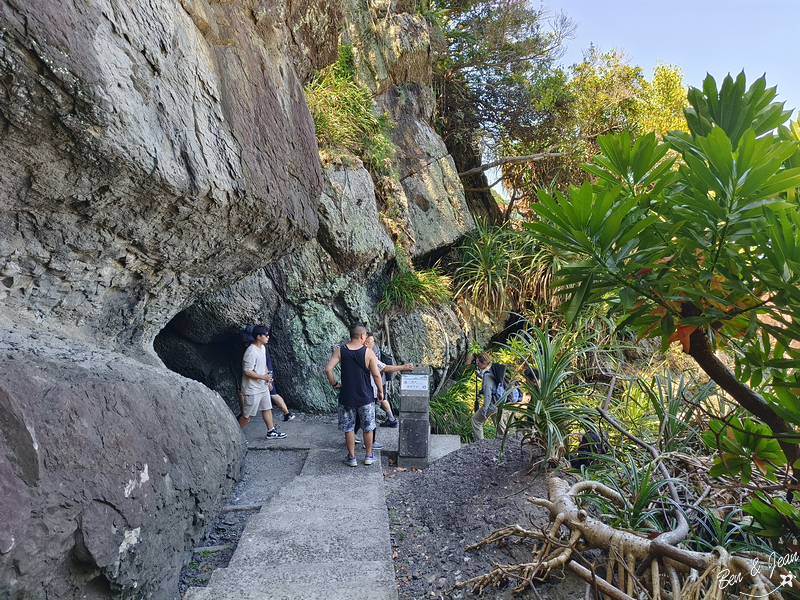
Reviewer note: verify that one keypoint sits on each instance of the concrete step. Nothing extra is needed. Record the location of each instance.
(440, 445)
(346, 540)
(259, 587)
(280, 580)
(315, 493)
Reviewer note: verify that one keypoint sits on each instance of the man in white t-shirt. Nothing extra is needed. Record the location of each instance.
(255, 383)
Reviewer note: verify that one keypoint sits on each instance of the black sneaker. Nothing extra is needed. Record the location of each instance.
(274, 434)
(288, 416)
(388, 423)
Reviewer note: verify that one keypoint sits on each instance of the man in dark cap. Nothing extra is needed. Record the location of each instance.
(277, 400)
(255, 380)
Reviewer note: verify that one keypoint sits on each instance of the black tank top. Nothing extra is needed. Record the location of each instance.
(356, 389)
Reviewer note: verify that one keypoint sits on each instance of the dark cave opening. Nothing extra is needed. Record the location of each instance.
(216, 364)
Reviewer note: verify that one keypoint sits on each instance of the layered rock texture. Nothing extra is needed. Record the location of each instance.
(310, 296)
(151, 152)
(161, 188)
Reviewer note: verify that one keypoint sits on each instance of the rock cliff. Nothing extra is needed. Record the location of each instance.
(152, 152)
(161, 187)
(310, 295)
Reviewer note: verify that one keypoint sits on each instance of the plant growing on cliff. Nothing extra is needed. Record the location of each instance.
(343, 117)
(707, 255)
(502, 269)
(411, 289)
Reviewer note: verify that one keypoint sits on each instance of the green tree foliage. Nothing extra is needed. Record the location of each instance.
(494, 78)
(607, 95)
(707, 255)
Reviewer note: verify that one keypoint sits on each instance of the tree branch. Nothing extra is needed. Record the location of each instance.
(510, 159)
(701, 351)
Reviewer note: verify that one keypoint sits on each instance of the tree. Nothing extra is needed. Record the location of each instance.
(495, 78)
(606, 95)
(707, 255)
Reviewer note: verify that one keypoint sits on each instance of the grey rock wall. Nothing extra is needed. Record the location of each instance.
(109, 470)
(315, 291)
(433, 210)
(152, 152)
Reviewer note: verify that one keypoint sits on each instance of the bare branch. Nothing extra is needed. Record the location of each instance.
(510, 159)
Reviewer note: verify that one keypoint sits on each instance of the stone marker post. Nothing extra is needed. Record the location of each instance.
(414, 418)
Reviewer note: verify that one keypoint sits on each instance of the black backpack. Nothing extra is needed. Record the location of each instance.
(387, 359)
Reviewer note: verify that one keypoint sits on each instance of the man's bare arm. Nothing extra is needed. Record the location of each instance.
(254, 375)
(396, 368)
(329, 368)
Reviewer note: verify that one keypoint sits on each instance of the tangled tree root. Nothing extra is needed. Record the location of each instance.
(636, 568)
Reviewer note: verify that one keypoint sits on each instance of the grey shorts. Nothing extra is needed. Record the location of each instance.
(347, 417)
(256, 403)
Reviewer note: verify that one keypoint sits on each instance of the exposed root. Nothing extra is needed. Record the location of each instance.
(637, 568)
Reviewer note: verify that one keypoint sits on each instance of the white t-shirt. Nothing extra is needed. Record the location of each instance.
(381, 367)
(255, 359)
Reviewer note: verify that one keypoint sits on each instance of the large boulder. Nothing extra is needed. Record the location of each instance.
(430, 196)
(392, 47)
(109, 470)
(433, 338)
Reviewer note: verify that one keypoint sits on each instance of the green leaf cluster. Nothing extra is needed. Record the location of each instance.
(643, 495)
(501, 270)
(772, 517)
(741, 444)
(451, 411)
(556, 398)
(344, 119)
(409, 289)
(711, 244)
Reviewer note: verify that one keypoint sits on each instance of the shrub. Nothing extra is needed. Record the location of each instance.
(502, 269)
(414, 289)
(343, 117)
(451, 411)
(556, 396)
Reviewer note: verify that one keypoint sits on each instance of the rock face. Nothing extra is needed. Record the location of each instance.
(316, 291)
(109, 470)
(152, 153)
(434, 338)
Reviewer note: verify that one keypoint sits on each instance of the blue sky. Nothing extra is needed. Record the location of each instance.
(714, 36)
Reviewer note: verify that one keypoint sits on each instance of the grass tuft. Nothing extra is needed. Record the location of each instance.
(343, 117)
(416, 289)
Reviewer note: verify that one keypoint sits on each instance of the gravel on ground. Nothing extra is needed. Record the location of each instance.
(457, 501)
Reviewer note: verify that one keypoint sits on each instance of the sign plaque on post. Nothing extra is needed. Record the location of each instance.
(414, 418)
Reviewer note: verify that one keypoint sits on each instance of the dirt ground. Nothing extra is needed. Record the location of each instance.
(457, 501)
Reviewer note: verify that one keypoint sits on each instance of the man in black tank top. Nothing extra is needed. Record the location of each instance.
(358, 365)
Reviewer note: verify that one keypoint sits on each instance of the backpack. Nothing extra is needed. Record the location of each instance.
(498, 371)
(387, 359)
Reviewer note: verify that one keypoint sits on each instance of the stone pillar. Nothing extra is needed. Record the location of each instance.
(415, 426)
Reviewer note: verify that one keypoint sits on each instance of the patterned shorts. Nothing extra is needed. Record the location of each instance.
(347, 417)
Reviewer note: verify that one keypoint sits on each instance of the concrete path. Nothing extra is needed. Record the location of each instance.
(325, 535)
